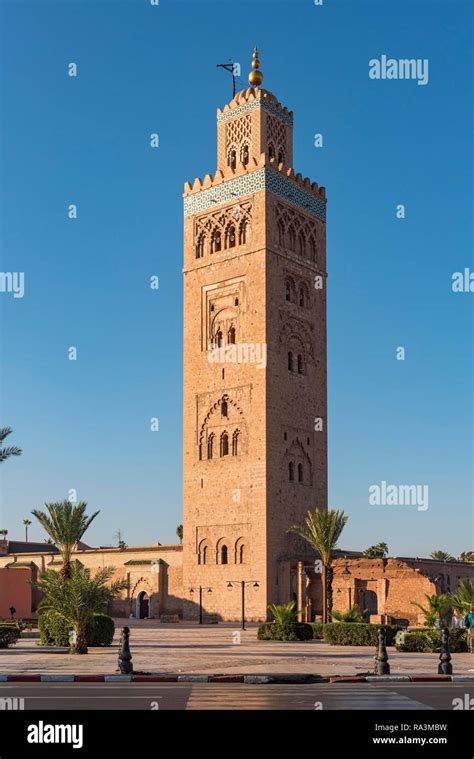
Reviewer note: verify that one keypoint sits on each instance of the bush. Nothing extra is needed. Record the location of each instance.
(318, 630)
(428, 641)
(286, 631)
(54, 630)
(9, 635)
(357, 634)
(101, 631)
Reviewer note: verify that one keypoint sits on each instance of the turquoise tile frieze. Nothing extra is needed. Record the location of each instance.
(261, 179)
(285, 117)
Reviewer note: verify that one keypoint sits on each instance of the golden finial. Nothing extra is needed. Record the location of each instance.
(255, 76)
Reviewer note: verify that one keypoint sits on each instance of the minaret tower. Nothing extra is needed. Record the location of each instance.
(255, 409)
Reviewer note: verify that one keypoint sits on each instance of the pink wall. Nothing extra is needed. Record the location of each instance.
(15, 590)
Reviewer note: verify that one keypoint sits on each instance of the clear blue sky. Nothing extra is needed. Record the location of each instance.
(85, 140)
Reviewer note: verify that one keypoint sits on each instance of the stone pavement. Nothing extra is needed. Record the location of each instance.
(224, 649)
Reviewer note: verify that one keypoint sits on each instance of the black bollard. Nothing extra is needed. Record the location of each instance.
(125, 656)
(445, 667)
(382, 667)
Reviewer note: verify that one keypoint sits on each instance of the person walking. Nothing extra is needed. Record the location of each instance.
(469, 623)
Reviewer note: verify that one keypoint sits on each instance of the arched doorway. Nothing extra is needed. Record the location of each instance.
(143, 605)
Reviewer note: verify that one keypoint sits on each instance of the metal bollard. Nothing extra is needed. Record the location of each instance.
(445, 667)
(382, 667)
(125, 656)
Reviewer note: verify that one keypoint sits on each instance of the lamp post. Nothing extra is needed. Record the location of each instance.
(200, 589)
(243, 584)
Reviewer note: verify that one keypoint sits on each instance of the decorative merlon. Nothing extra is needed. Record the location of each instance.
(259, 175)
(250, 98)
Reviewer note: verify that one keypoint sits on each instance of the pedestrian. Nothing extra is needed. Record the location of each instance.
(469, 623)
(12, 611)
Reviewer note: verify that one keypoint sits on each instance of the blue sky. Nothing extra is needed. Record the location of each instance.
(85, 424)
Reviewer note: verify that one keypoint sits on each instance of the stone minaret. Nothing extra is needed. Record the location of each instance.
(255, 410)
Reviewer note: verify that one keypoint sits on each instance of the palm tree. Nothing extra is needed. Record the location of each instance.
(463, 597)
(351, 615)
(27, 523)
(65, 525)
(4, 534)
(13, 450)
(179, 532)
(442, 556)
(466, 556)
(439, 608)
(323, 530)
(283, 613)
(78, 597)
(378, 551)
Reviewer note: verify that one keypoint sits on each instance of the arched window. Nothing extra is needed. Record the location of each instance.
(245, 154)
(302, 298)
(301, 245)
(224, 554)
(224, 444)
(232, 159)
(300, 364)
(281, 233)
(239, 556)
(219, 339)
(230, 237)
(243, 232)
(292, 238)
(216, 241)
(300, 472)
(210, 445)
(200, 247)
(290, 361)
(290, 290)
(231, 336)
(271, 151)
(281, 156)
(291, 471)
(203, 554)
(235, 443)
(224, 408)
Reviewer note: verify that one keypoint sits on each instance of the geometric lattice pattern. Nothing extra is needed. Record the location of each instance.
(260, 179)
(255, 104)
(238, 130)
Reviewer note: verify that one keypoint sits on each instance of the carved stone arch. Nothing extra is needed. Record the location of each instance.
(235, 420)
(226, 317)
(296, 453)
(294, 329)
(142, 584)
(205, 552)
(223, 551)
(240, 549)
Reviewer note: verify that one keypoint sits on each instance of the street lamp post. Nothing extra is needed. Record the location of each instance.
(243, 584)
(209, 590)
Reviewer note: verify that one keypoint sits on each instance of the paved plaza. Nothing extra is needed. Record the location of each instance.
(223, 649)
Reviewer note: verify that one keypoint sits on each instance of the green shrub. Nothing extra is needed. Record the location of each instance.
(54, 630)
(9, 635)
(285, 631)
(318, 630)
(357, 634)
(101, 631)
(428, 641)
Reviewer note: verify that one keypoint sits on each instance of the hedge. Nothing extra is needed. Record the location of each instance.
(286, 631)
(9, 635)
(54, 630)
(318, 630)
(356, 634)
(428, 641)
